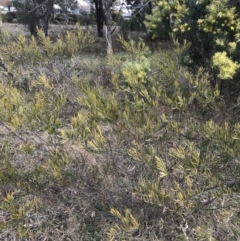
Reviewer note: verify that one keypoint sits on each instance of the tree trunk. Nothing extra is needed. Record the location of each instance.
(43, 24)
(108, 27)
(150, 7)
(43, 13)
(100, 17)
(0, 18)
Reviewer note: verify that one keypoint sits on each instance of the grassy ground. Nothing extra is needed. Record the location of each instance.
(54, 30)
(77, 209)
(74, 203)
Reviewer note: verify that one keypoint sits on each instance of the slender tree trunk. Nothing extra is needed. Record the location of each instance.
(150, 7)
(108, 27)
(0, 18)
(100, 17)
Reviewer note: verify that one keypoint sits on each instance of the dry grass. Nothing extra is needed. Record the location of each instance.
(16, 28)
(55, 29)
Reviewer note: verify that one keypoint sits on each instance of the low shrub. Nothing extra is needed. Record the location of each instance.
(87, 19)
(212, 28)
(144, 151)
(73, 19)
(132, 24)
(9, 17)
(59, 18)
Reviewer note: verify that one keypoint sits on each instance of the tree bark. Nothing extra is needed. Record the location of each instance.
(100, 17)
(108, 36)
(0, 18)
(44, 9)
(150, 7)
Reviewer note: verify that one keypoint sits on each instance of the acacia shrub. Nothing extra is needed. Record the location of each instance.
(35, 176)
(168, 163)
(9, 17)
(149, 156)
(212, 28)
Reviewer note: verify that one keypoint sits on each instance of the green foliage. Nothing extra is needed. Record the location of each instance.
(114, 15)
(9, 17)
(179, 179)
(133, 24)
(227, 68)
(212, 28)
(16, 214)
(58, 19)
(129, 225)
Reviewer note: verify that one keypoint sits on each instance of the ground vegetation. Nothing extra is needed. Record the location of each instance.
(126, 146)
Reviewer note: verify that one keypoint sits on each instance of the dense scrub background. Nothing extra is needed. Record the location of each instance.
(130, 146)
